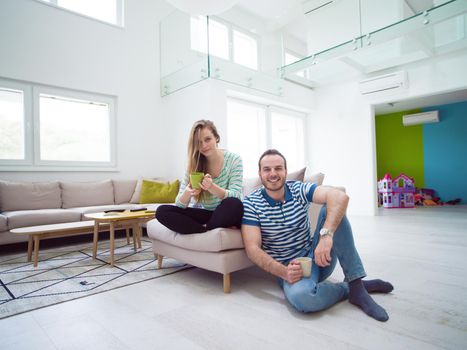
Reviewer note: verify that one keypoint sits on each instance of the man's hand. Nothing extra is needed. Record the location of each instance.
(323, 251)
(294, 272)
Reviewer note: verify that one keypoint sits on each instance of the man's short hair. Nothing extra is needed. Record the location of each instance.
(272, 152)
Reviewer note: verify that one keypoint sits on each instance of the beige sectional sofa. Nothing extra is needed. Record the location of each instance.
(29, 204)
(220, 250)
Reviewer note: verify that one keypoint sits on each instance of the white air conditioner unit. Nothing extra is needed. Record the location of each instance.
(311, 6)
(420, 118)
(388, 82)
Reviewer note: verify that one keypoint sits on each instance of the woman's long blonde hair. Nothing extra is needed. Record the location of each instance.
(196, 161)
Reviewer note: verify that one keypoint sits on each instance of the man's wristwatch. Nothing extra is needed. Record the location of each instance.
(326, 232)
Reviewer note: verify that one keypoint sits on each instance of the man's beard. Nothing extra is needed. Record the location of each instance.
(277, 186)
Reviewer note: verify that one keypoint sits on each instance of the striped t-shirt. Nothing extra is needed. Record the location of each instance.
(230, 179)
(285, 227)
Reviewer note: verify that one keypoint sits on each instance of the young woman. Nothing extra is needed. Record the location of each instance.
(218, 199)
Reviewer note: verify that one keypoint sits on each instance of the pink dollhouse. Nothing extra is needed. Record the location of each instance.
(397, 193)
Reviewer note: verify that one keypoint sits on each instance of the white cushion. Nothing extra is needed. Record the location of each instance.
(123, 190)
(23, 218)
(81, 194)
(250, 184)
(316, 178)
(297, 175)
(3, 223)
(29, 195)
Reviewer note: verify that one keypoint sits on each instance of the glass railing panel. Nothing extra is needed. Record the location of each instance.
(186, 41)
(183, 43)
(184, 77)
(318, 66)
(412, 39)
(328, 26)
(394, 11)
(438, 30)
(246, 77)
(450, 35)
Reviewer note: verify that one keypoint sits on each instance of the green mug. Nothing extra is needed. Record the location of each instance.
(195, 179)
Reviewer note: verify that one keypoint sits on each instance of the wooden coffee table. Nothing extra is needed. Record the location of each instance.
(117, 220)
(36, 233)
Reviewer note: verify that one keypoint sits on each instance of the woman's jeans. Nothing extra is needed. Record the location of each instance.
(311, 294)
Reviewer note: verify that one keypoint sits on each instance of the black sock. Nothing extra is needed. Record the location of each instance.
(377, 286)
(360, 297)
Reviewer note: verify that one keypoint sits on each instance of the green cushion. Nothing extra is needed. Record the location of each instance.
(158, 192)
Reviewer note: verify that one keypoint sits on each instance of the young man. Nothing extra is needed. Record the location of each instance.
(276, 231)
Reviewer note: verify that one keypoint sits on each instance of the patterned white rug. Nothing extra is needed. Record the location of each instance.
(70, 272)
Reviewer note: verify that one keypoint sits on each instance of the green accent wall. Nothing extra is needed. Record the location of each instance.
(399, 149)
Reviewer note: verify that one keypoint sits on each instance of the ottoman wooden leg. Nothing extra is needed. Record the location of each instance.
(227, 283)
(159, 261)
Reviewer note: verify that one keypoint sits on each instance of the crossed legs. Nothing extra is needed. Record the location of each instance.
(195, 220)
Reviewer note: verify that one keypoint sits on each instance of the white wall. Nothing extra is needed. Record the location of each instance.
(46, 45)
(341, 133)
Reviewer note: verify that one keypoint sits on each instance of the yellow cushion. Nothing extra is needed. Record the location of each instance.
(158, 192)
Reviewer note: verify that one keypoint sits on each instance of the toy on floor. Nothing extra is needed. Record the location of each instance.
(427, 197)
(397, 193)
(454, 201)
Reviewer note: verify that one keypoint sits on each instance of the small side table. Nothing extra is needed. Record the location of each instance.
(117, 220)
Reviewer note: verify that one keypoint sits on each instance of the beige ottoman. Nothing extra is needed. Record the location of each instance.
(220, 250)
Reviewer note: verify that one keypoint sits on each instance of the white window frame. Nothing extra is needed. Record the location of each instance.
(32, 161)
(231, 27)
(271, 107)
(27, 121)
(120, 12)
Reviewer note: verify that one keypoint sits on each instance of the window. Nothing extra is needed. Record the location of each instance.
(110, 11)
(245, 50)
(199, 33)
(246, 133)
(73, 130)
(43, 127)
(252, 128)
(225, 41)
(12, 124)
(287, 130)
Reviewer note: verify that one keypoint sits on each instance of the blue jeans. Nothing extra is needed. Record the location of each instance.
(311, 294)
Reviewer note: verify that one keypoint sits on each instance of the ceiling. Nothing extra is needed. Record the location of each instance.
(421, 102)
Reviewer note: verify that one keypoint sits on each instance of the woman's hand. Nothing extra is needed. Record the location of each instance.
(192, 191)
(294, 272)
(206, 184)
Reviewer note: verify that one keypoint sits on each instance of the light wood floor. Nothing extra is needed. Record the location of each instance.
(422, 251)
